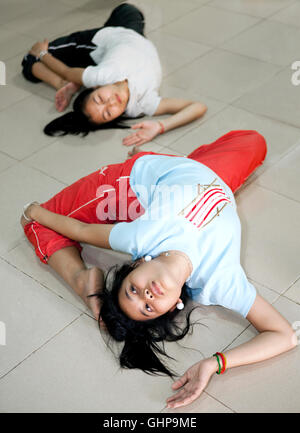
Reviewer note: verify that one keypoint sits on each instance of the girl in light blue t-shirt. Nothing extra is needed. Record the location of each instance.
(177, 217)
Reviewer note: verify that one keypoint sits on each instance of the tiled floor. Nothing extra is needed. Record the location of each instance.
(236, 57)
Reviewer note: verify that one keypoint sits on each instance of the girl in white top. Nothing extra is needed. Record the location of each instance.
(122, 73)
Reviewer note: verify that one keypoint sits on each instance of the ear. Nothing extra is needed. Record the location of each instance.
(175, 305)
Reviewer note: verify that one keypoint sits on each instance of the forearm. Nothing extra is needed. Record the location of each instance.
(66, 226)
(265, 345)
(69, 74)
(183, 117)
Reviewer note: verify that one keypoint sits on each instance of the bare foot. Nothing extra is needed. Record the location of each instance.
(91, 281)
(64, 95)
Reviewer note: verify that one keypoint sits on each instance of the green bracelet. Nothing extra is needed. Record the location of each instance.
(217, 356)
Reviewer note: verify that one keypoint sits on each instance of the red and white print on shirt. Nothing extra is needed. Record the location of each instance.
(209, 203)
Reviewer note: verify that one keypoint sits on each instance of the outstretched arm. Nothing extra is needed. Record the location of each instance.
(73, 75)
(93, 234)
(275, 336)
(182, 112)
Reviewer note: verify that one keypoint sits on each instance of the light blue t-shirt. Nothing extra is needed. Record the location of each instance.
(188, 208)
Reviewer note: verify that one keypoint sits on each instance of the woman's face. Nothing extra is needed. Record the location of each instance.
(106, 103)
(149, 291)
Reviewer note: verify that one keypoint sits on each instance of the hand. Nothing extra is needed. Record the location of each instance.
(147, 131)
(132, 152)
(38, 47)
(192, 383)
(29, 211)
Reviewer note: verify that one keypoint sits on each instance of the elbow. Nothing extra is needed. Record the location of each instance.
(201, 109)
(293, 339)
(290, 339)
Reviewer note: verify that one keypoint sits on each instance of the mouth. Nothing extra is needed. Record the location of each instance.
(156, 289)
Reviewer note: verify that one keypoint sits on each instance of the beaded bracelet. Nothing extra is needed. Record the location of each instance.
(218, 372)
(162, 128)
(223, 361)
(222, 356)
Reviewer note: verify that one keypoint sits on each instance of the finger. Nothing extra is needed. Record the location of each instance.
(178, 399)
(138, 142)
(130, 139)
(185, 399)
(178, 394)
(180, 382)
(137, 125)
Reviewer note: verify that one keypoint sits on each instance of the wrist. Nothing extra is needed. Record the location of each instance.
(42, 54)
(29, 211)
(162, 127)
(212, 364)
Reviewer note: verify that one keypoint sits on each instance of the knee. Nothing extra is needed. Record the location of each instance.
(27, 64)
(260, 144)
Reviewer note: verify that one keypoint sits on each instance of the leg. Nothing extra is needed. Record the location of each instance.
(43, 73)
(234, 156)
(68, 263)
(127, 15)
(73, 50)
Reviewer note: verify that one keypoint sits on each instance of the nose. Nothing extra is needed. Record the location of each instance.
(112, 100)
(148, 294)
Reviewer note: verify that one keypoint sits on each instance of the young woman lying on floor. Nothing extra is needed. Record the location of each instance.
(121, 71)
(177, 217)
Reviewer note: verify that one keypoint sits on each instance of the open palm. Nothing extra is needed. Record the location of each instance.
(146, 132)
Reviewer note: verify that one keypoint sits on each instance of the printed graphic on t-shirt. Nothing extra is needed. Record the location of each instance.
(209, 203)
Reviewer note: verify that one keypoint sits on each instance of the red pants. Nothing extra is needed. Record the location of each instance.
(233, 157)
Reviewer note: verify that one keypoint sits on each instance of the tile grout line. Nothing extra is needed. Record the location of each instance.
(39, 282)
(232, 104)
(220, 401)
(278, 193)
(40, 347)
(285, 291)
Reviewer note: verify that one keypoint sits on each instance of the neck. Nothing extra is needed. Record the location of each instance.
(180, 262)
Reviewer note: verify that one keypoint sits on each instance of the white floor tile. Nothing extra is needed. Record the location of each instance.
(277, 98)
(88, 154)
(280, 138)
(32, 315)
(6, 161)
(10, 45)
(261, 8)
(269, 386)
(159, 13)
(270, 234)
(223, 75)
(289, 15)
(209, 25)
(21, 139)
(169, 48)
(269, 41)
(78, 364)
(283, 177)
(21, 185)
(293, 293)
(24, 259)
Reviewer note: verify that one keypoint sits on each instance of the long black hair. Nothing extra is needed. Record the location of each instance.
(141, 338)
(75, 122)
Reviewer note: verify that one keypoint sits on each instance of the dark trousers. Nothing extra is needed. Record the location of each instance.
(74, 50)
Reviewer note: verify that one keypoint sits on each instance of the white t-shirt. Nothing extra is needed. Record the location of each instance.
(200, 220)
(121, 54)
